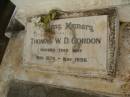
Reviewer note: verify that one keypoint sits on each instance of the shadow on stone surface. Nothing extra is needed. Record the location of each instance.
(23, 89)
(3, 45)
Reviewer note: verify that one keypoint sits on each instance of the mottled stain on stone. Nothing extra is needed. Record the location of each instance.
(26, 89)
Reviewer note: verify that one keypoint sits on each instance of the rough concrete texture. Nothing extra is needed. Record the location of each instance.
(23, 89)
(12, 68)
(33, 7)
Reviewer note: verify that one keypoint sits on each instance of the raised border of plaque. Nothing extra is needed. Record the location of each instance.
(112, 43)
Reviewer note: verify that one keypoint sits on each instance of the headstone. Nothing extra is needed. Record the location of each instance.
(80, 46)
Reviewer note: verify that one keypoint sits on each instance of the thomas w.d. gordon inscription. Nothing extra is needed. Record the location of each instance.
(78, 46)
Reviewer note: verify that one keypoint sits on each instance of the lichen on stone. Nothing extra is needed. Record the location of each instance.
(46, 20)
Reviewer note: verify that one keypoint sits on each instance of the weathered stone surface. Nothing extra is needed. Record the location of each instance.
(23, 89)
(119, 87)
(14, 69)
(32, 7)
(124, 56)
(102, 24)
(77, 43)
(124, 13)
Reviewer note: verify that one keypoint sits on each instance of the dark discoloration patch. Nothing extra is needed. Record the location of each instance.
(46, 19)
(23, 89)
